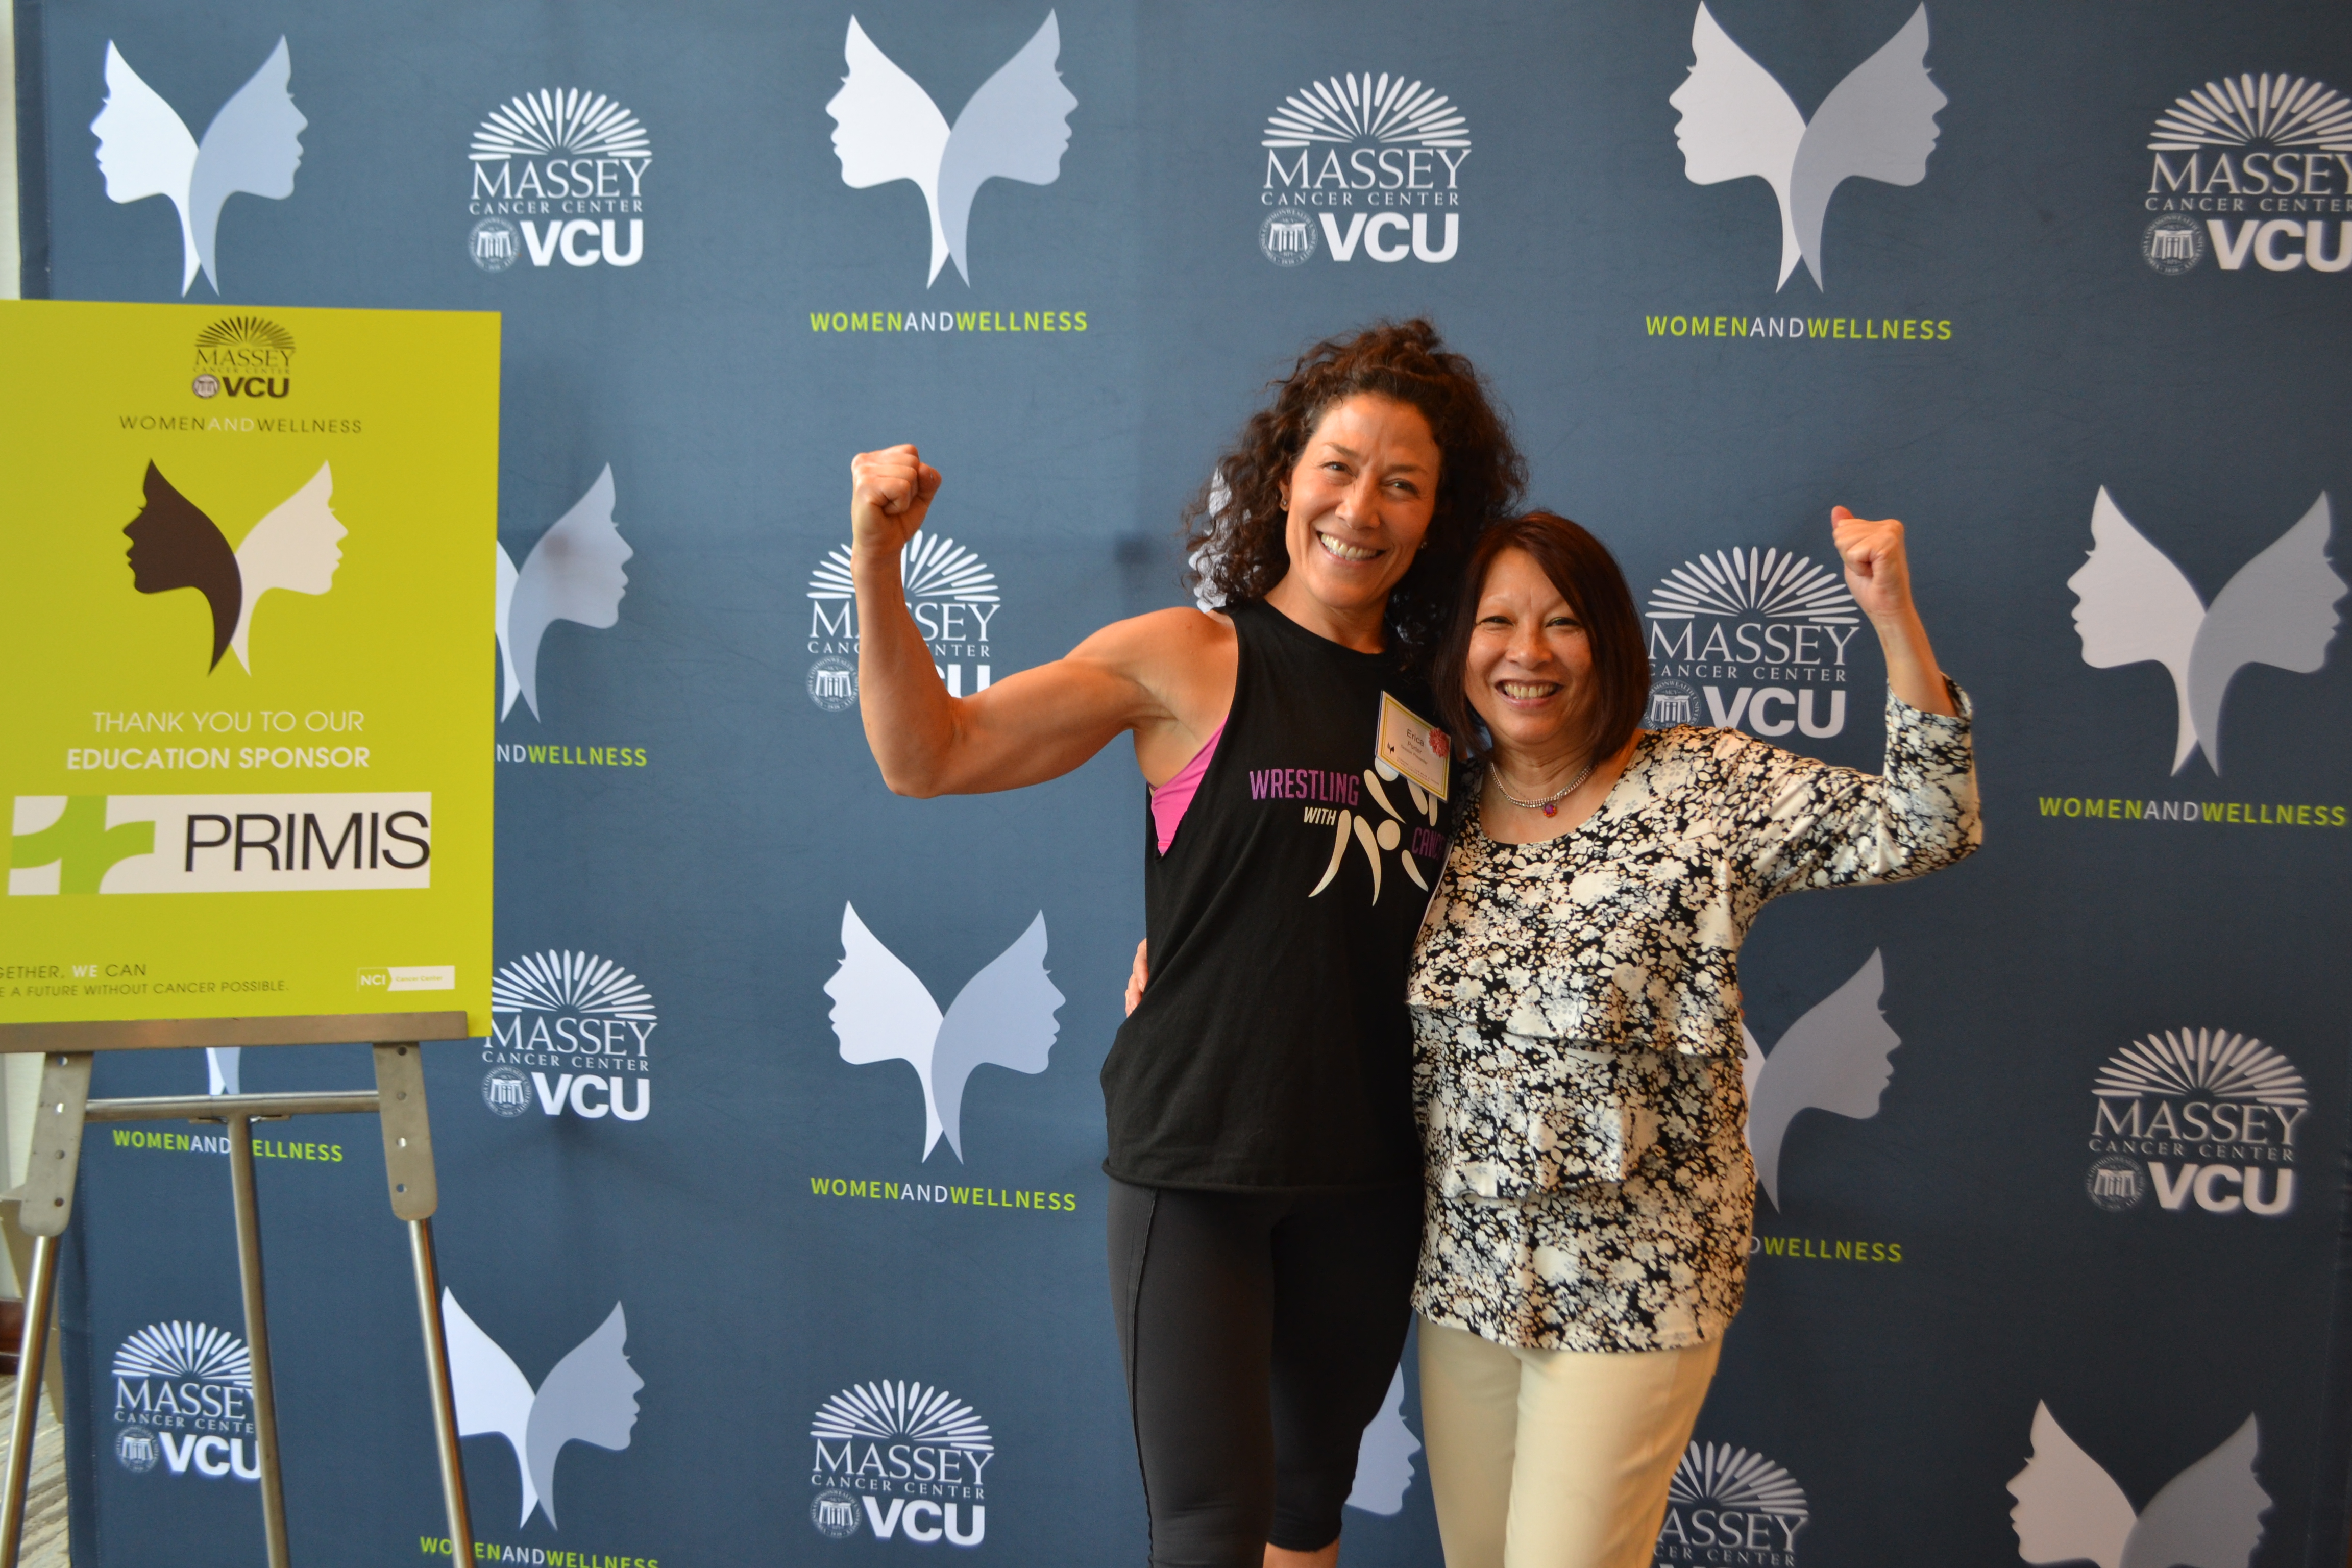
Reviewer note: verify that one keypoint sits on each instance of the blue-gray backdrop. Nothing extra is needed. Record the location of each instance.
(2052, 1269)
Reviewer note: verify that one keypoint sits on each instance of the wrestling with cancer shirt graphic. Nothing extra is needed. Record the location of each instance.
(144, 149)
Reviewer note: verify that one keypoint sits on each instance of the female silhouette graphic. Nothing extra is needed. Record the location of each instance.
(294, 547)
(174, 545)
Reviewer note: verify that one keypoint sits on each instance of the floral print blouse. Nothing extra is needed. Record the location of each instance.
(1576, 1025)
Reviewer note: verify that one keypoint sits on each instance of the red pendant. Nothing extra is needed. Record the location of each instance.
(1550, 809)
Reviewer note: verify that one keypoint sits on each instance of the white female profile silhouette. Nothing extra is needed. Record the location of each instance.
(294, 547)
(1738, 122)
(888, 128)
(2069, 1509)
(253, 144)
(572, 574)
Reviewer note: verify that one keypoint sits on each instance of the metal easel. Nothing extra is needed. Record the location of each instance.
(45, 1202)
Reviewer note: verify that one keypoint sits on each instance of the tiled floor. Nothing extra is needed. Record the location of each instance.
(44, 1503)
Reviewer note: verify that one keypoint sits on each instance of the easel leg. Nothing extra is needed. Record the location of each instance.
(40, 1296)
(445, 1403)
(256, 1339)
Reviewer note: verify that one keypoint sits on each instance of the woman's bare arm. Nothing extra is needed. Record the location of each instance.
(1156, 674)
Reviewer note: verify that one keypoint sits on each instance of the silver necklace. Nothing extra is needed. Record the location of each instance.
(1549, 806)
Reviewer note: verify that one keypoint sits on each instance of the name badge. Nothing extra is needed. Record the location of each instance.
(1413, 747)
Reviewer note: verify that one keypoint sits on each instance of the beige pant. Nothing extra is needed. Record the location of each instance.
(1554, 1458)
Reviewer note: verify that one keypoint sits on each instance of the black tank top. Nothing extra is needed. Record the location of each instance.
(1272, 1049)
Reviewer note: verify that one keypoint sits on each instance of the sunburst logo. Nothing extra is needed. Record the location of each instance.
(187, 1350)
(1726, 1496)
(949, 590)
(1387, 143)
(880, 1430)
(2214, 1063)
(563, 121)
(2204, 1115)
(579, 1012)
(559, 149)
(183, 1394)
(2250, 112)
(1775, 623)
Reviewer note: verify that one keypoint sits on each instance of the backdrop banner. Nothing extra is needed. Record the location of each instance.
(220, 744)
(2050, 1149)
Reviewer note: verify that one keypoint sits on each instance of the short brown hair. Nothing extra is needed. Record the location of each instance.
(1588, 578)
(1236, 526)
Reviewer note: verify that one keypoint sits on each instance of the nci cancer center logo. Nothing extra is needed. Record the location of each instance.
(570, 1034)
(559, 173)
(902, 1460)
(1753, 639)
(2196, 1118)
(183, 1399)
(1729, 1506)
(2251, 169)
(949, 590)
(1362, 164)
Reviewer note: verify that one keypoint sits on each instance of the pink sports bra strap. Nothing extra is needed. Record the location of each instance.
(1169, 800)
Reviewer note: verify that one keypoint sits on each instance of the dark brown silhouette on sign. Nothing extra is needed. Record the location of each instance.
(174, 545)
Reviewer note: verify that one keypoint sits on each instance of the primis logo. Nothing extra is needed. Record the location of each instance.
(568, 167)
(2261, 145)
(1727, 1505)
(921, 1450)
(1738, 122)
(1768, 620)
(2069, 1509)
(888, 129)
(183, 1395)
(569, 1031)
(2197, 1113)
(1385, 146)
(145, 150)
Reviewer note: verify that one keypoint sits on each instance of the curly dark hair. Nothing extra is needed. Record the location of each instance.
(1234, 529)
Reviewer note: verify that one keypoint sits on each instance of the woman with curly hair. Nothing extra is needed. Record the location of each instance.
(1265, 1211)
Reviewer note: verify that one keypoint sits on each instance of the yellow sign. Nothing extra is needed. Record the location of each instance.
(246, 579)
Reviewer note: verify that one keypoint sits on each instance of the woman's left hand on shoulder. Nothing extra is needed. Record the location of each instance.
(1878, 570)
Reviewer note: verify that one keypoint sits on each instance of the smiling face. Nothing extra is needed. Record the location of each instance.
(1358, 501)
(1527, 673)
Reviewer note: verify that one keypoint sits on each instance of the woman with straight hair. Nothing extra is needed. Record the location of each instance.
(1264, 1209)
(1575, 1007)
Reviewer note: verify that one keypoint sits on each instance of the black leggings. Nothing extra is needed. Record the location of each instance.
(1260, 1333)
